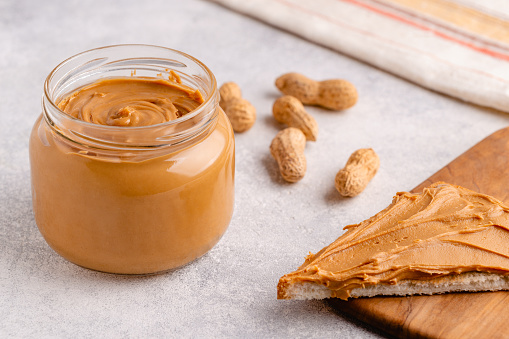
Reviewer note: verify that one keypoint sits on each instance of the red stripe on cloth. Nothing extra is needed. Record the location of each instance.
(444, 36)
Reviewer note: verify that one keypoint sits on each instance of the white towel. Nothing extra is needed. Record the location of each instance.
(457, 47)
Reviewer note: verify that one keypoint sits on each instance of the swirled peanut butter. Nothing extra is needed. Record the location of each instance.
(132, 101)
(446, 230)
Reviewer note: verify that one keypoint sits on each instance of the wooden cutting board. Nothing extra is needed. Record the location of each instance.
(483, 168)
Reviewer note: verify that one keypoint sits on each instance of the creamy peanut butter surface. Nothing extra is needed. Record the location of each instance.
(131, 101)
(443, 231)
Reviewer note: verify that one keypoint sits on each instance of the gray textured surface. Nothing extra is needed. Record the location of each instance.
(231, 291)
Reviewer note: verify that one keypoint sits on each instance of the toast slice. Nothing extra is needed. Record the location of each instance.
(446, 239)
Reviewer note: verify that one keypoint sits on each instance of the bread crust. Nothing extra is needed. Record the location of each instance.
(464, 282)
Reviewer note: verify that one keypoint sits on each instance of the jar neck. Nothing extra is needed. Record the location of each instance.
(125, 61)
(175, 133)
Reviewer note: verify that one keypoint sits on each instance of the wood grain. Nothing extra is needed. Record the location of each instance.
(483, 168)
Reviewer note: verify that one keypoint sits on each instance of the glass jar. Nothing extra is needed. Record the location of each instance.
(132, 200)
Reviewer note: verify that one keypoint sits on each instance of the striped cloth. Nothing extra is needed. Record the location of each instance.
(457, 47)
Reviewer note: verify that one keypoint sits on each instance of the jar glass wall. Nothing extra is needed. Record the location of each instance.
(132, 200)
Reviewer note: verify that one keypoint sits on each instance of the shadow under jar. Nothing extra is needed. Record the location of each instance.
(132, 200)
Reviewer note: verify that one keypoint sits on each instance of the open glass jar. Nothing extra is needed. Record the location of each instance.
(132, 200)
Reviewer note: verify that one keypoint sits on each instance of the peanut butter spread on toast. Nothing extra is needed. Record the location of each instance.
(445, 230)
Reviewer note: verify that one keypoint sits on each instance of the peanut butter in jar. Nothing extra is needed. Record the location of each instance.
(132, 160)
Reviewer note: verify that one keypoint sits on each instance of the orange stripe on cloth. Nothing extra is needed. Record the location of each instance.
(460, 16)
(480, 49)
(388, 41)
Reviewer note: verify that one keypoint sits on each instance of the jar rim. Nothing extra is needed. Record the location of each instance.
(206, 102)
(149, 61)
